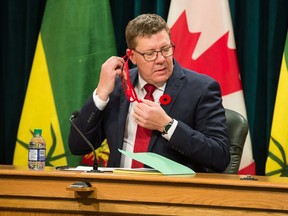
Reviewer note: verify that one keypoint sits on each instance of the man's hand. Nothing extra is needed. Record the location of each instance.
(109, 71)
(149, 114)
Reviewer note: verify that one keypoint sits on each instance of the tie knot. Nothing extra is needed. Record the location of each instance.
(149, 89)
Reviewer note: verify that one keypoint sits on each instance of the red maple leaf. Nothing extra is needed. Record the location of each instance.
(218, 61)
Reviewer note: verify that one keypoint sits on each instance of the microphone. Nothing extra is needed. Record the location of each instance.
(95, 163)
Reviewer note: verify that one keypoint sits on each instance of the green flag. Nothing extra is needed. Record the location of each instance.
(76, 37)
(278, 147)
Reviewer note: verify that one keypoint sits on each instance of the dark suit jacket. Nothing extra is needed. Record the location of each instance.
(200, 140)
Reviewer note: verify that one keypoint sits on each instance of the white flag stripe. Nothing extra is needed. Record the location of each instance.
(207, 18)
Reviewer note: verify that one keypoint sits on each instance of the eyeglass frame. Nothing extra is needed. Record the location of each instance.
(157, 51)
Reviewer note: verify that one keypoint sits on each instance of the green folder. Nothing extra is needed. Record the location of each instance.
(160, 163)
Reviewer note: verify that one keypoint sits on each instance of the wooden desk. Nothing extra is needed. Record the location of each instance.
(26, 192)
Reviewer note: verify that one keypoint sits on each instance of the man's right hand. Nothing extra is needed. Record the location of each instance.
(109, 71)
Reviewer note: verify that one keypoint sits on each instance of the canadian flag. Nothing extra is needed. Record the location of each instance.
(203, 35)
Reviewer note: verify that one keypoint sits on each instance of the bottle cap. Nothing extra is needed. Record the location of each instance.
(37, 131)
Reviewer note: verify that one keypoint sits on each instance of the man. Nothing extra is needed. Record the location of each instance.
(189, 127)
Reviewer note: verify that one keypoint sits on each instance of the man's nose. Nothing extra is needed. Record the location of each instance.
(160, 56)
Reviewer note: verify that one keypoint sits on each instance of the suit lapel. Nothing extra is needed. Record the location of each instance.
(173, 87)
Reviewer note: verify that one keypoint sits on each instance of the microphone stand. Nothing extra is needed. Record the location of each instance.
(95, 163)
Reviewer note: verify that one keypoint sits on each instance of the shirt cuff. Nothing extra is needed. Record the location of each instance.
(100, 104)
(171, 130)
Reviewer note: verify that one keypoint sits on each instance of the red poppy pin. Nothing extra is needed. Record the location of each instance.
(165, 99)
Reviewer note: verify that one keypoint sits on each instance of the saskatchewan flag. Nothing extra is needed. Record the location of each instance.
(278, 147)
(76, 37)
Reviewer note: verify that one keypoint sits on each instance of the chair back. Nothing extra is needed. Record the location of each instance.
(237, 131)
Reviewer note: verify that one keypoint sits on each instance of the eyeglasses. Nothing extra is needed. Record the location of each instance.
(152, 56)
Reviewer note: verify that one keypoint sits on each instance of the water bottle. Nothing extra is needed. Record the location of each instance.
(37, 151)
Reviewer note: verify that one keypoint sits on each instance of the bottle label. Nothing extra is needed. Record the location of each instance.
(37, 154)
(42, 154)
(33, 154)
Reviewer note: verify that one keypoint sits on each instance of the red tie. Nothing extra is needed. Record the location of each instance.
(143, 135)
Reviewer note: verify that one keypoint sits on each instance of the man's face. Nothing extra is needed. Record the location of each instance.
(158, 71)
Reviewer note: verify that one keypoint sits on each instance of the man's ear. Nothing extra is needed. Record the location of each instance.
(131, 55)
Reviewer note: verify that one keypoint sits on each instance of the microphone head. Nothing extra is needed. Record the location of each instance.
(74, 114)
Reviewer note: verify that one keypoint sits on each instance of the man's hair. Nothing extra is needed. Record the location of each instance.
(144, 25)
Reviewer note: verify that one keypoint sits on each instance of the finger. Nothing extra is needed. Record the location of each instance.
(119, 68)
(140, 109)
(136, 117)
(148, 102)
(144, 108)
(123, 74)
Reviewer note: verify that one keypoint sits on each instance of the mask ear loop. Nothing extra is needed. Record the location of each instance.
(126, 83)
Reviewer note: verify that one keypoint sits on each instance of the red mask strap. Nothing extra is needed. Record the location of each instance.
(126, 83)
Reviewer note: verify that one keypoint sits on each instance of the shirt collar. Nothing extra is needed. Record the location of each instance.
(142, 83)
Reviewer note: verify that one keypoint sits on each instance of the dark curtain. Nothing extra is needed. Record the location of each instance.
(125, 10)
(20, 24)
(260, 28)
